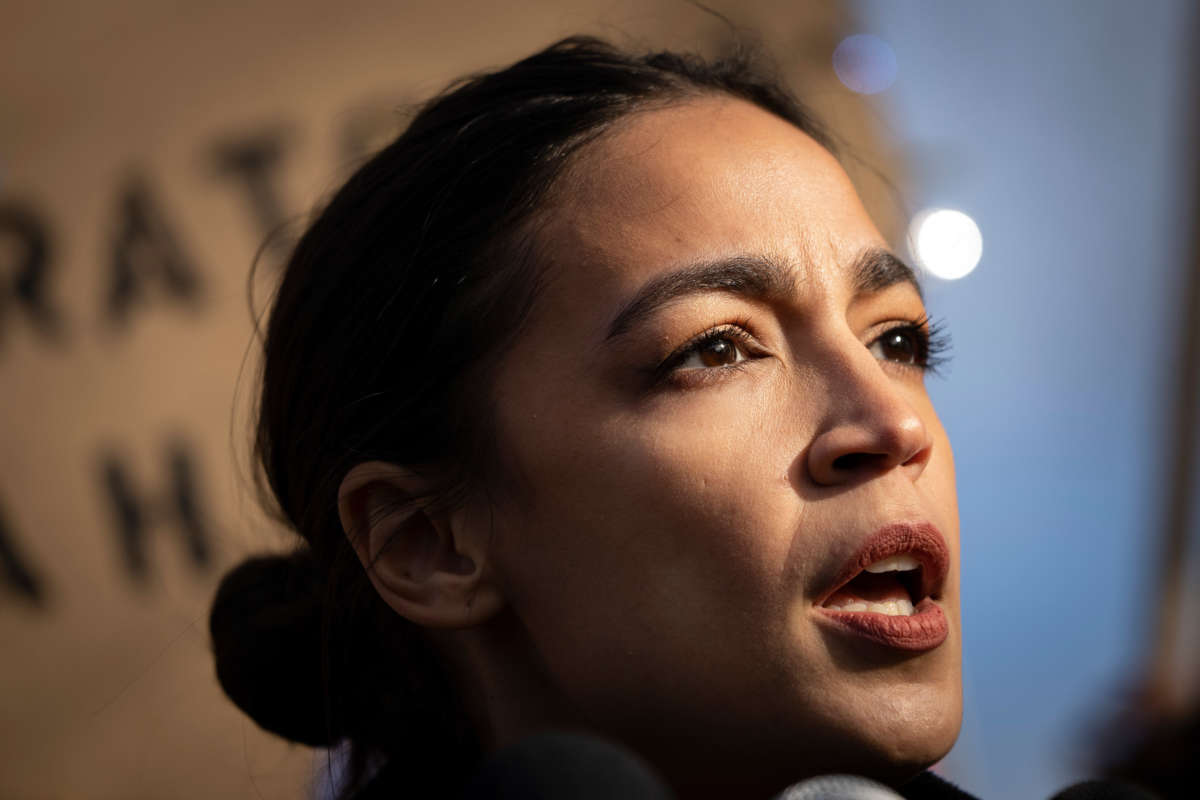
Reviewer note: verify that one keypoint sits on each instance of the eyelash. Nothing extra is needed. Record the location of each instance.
(932, 347)
(933, 343)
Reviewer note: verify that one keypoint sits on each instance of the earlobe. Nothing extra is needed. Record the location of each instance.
(429, 565)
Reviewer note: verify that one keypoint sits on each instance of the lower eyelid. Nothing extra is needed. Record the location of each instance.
(695, 378)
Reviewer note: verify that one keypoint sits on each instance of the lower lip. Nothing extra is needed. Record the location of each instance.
(924, 630)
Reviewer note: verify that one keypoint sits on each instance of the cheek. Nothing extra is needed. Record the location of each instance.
(651, 528)
(940, 484)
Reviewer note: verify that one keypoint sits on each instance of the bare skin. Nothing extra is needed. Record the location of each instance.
(652, 566)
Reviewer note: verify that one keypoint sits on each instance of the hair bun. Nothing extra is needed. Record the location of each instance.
(266, 633)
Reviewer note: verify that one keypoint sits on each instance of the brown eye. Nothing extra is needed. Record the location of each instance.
(902, 345)
(721, 348)
(718, 353)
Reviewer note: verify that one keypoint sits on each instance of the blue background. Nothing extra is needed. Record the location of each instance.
(1060, 127)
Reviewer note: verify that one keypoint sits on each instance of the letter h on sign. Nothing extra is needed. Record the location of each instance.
(134, 515)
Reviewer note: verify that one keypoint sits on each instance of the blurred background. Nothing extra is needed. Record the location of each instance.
(1037, 159)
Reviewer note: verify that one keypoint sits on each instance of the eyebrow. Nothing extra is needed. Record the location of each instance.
(877, 268)
(756, 277)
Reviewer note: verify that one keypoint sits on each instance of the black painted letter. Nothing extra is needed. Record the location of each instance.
(253, 162)
(135, 514)
(144, 247)
(24, 258)
(15, 573)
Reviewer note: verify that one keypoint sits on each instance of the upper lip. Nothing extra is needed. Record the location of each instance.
(922, 540)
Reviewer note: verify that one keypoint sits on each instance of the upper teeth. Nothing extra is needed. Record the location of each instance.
(898, 563)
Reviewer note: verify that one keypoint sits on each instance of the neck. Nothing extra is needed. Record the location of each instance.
(504, 690)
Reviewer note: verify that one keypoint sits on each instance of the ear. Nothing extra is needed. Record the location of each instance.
(428, 565)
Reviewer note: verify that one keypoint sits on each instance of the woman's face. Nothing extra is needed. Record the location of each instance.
(716, 404)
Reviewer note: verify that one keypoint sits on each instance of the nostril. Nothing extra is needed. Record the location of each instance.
(856, 462)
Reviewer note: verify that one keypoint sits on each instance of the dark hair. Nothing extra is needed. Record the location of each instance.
(377, 348)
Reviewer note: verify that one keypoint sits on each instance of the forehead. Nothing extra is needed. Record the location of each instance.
(704, 179)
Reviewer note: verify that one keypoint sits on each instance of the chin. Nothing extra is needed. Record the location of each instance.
(884, 715)
(917, 733)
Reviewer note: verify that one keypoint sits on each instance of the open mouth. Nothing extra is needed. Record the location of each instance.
(890, 586)
(887, 593)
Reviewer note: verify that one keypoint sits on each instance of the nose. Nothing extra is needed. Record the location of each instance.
(870, 429)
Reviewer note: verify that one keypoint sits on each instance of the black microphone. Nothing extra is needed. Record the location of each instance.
(1104, 790)
(838, 787)
(565, 766)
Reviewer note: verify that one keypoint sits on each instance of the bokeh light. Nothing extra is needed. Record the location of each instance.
(945, 242)
(865, 64)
